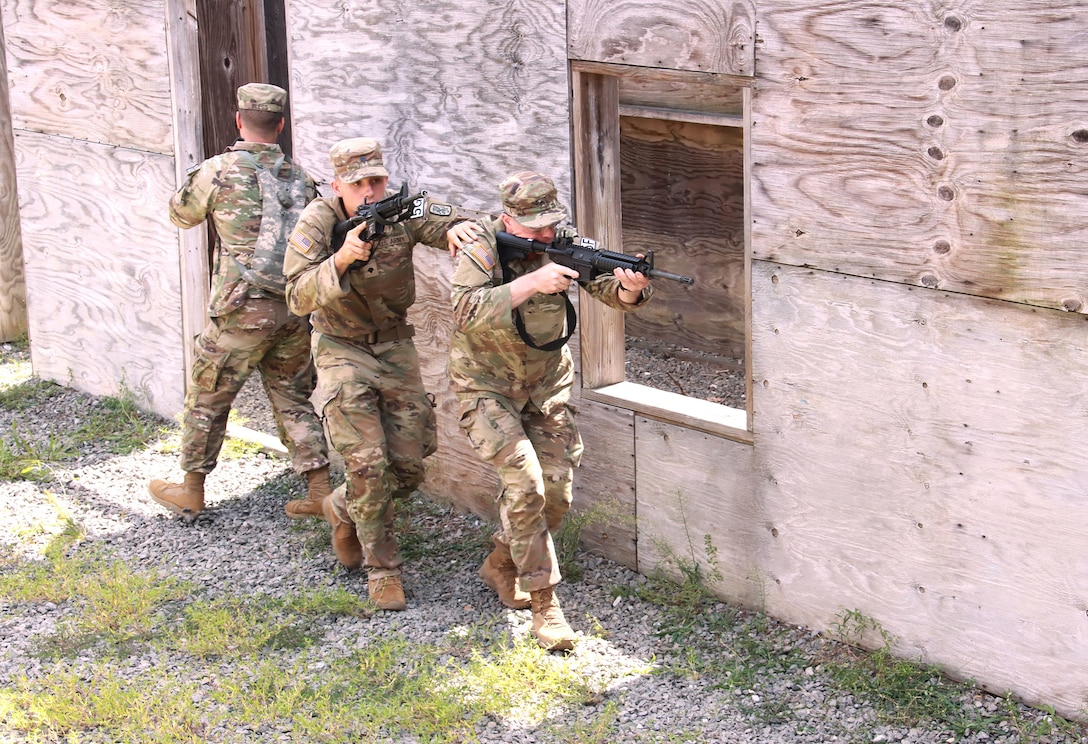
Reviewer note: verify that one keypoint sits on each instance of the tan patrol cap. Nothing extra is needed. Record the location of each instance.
(531, 199)
(356, 159)
(261, 97)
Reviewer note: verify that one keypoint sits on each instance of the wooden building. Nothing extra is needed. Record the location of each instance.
(883, 205)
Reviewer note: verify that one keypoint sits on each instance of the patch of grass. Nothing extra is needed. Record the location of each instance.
(911, 693)
(119, 425)
(113, 604)
(568, 537)
(25, 458)
(24, 391)
(236, 627)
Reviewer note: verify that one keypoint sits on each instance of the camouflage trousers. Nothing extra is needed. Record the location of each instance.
(263, 335)
(535, 455)
(380, 419)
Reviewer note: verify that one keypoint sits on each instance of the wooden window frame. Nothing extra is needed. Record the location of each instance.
(597, 108)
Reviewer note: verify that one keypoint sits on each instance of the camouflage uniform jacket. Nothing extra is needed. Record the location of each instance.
(488, 358)
(362, 301)
(225, 188)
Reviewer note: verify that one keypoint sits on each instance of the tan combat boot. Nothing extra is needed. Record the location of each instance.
(500, 573)
(185, 499)
(317, 488)
(345, 541)
(549, 625)
(387, 593)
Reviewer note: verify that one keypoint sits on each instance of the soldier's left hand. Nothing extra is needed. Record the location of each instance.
(631, 281)
(461, 235)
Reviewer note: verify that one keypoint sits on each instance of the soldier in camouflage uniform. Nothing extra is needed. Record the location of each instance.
(514, 395)
(249, 324)
(369, 387)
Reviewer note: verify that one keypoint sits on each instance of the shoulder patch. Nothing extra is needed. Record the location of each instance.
(301, 240)
(481, 256)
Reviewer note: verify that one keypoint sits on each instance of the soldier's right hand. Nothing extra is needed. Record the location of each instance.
(353, 249)
(552, 278)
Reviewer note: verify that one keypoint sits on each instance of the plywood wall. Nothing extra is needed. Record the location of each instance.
(934, 144)
(92, 115)
(919, 460)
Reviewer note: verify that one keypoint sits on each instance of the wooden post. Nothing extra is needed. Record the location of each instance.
(597, 203)
(12, 284)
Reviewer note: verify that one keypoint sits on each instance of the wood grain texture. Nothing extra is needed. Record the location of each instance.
(12, 283)
(604, 484)
(934, 145)
(596, 154)
(693, 487)
(460, 96)
(919, 458)
(680, 34)
(185, 87)
(101, 272)
(90, 69)
(683, 198)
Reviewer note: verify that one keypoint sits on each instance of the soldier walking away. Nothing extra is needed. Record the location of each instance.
(369, 388)
(512, 372)
(253, 193)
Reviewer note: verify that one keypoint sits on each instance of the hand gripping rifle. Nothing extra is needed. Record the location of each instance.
(582, 255)
(389, 211)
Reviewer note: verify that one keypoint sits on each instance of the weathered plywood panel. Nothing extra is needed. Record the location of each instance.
(12, 286)
(698, 35)
(90, 69)
(454, 473)
(458, 100)
(693, 487)
(101, 272)
(920, 460)
(604, 485)
(683, 198)
(940, 146)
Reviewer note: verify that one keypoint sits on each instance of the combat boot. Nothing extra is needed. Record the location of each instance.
(549, 625)
(500, 573)
(387, 593)
(317, 488)
(185, 499)
(345, 541)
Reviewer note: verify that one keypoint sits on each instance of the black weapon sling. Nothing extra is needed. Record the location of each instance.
(572, 318)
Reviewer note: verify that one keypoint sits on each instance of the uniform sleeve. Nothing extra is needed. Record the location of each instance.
(478, 302)
(308, 267)
(193, 202)
(606, 288)
(430, 231)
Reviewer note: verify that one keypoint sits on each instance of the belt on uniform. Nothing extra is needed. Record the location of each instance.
(384, 335)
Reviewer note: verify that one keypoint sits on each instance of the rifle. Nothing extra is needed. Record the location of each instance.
(389, 211)
(582, 255)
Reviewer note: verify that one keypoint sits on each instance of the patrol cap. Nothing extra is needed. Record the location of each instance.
(261, 97)
(356, 159)
(531, 199)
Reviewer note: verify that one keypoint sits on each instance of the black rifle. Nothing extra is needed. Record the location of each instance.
(582, 255)
(388, 211)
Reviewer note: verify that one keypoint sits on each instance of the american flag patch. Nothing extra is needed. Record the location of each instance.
(482, 257)
(301, 242)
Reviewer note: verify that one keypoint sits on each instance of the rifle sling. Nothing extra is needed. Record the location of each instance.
(519, 323)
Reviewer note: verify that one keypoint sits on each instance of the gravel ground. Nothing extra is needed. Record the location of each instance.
(243, 545)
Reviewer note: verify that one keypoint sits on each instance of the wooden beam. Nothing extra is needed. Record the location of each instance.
(597, 206)
(13, 323)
